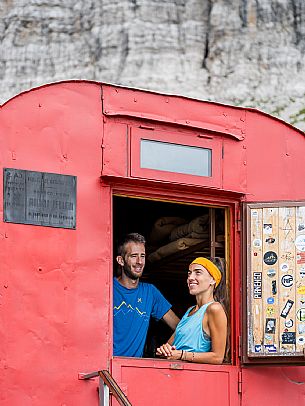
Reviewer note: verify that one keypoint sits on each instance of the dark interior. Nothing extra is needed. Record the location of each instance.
(168, 272)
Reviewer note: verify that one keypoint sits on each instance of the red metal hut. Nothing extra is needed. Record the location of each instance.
(85, 162)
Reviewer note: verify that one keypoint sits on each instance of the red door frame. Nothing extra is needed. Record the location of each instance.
(147, 189)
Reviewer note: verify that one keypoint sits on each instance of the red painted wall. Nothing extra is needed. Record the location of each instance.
(275, 155)
(55, 282)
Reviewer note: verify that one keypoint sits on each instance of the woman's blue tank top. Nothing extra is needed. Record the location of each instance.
(189, 335)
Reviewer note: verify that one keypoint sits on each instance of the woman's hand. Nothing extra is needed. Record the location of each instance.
(169, 352)
(165, 350)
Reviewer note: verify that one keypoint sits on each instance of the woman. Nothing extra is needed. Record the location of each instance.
(201, 334)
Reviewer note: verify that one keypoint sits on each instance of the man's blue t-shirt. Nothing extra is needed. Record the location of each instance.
(132, 309)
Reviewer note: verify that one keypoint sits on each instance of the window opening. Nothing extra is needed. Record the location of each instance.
(168, 253)
(178, 158)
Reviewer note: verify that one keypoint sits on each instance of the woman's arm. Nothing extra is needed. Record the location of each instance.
(171, 339)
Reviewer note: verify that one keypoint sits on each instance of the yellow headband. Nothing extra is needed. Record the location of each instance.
(210, 267)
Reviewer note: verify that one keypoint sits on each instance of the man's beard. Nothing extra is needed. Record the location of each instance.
(132, 275)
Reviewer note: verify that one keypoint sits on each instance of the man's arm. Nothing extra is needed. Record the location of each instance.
(171, 319)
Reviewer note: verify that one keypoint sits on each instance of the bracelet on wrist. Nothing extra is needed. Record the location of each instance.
(181, 356)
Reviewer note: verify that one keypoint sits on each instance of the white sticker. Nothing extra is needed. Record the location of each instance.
(254, 213)
(287, 280)
(289, 323)
(257, 243)
(302, 302)
(268, 228)
(301, 328)
(284, 267)
(300, 242)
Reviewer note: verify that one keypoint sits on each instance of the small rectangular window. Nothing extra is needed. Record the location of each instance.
(178, 158)
(172, 156)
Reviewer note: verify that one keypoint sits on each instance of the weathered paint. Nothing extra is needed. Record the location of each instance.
(56, 283)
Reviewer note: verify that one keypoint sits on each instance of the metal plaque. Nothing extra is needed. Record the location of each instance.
(39, 198)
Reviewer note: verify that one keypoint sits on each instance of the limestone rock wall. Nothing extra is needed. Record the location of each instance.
(242, 52)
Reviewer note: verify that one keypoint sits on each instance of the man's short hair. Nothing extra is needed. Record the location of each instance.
(131, 237)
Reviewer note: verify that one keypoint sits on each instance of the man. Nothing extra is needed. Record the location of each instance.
(134, 302)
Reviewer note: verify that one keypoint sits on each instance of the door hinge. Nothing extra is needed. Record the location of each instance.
(239, 346)
(238, 219)
(240, 381)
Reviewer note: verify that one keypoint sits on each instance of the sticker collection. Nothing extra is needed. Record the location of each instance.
(276, 305)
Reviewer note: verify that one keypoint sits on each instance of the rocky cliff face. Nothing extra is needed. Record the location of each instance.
(242, 52)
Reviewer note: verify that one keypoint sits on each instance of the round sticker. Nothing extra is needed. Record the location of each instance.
(271, 272)
(289, 323)
(302, 272)
(301, 340)
(270, 300)
(270, 310)
(254, 213)
(300, 242)
(270, 258)
(257, 242)
(301, 314)
(284, 267)
(287, 280)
